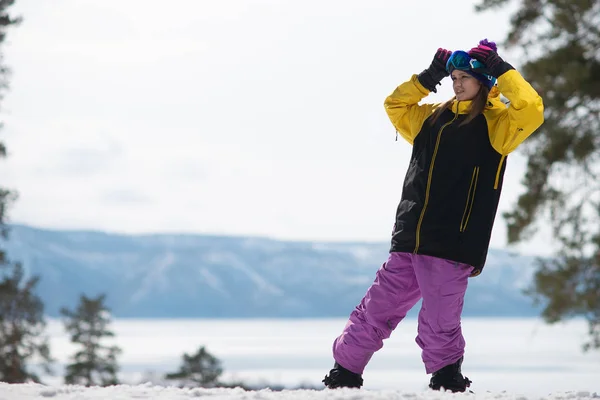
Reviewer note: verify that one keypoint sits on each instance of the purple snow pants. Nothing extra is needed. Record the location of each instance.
(399, 284)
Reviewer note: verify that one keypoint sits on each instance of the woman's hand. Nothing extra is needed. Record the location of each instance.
(486, 53)
(432, 76)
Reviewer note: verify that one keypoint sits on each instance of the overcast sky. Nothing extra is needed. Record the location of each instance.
(260, 117)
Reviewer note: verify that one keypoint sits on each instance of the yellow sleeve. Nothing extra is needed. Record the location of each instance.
(402, 107)
(525, 113)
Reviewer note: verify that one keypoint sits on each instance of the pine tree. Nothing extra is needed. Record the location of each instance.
(22, 323)
(560, 40)
(6, 196)
(94, 364)
(22, 328)
(201, 369)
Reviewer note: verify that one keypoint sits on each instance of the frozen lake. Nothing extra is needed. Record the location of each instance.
(521, 356)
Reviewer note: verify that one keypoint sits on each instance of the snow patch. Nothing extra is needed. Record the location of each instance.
(149, 391)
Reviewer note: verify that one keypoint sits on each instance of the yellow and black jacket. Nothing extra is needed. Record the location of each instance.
(453, 183)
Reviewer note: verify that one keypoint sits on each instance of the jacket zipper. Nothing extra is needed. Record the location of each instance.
(497, 181)
(437, 145)
(470, 199)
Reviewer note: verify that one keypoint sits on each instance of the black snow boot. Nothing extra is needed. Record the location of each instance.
(340, 377)
(450, 378)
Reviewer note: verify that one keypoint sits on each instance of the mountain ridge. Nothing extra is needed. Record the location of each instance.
(186, 275)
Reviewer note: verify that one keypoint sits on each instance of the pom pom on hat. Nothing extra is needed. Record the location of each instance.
(491, 45)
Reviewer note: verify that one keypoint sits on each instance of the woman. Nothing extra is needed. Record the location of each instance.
(445, 217)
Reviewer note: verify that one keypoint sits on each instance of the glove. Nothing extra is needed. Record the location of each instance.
(486, 53)
(433, 75)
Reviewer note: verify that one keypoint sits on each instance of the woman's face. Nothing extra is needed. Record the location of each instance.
(465, 86)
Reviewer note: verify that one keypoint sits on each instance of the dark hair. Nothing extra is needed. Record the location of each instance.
(477, 106)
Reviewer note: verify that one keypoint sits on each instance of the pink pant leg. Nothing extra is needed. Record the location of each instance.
(393, 293)
(443, 286)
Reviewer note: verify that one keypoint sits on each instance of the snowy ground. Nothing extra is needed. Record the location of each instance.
(141, 392)
(518, 359)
